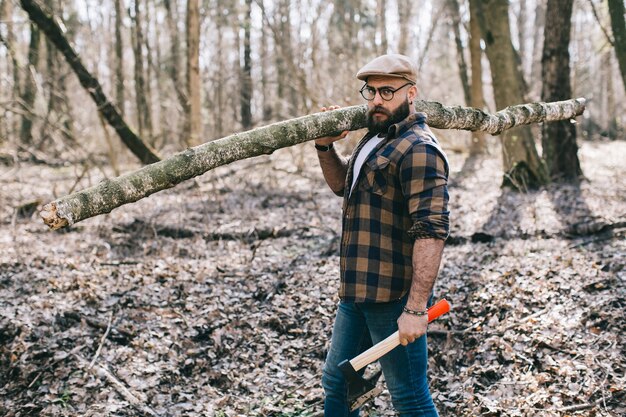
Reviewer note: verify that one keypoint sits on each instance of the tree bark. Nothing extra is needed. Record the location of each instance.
(560, 150)
(455, 15)
(144, 117)
(381, 26)
(522, 166)
(192, 162)
(119, 58)
(479, 142)
(193, 72)
(618, 24)
(30, 90)
(90, 83)
(405, 7)
(246, 70)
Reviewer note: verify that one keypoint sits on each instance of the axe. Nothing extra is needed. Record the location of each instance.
(361, 390)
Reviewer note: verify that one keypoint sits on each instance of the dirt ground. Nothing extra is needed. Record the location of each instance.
(216, 298)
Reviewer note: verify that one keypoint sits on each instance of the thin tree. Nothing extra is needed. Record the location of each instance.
(193, 72)
(560, 150)
(30, 90)
(455, 16)
(479, 142)
(618, 24)
(522, 166)
(119, 57)
(52, 30)
(144, 115)
(381, 26)
(246, 70)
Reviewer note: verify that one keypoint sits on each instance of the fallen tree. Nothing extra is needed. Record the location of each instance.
(131, 187)
(54, 33)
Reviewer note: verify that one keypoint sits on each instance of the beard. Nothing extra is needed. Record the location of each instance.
(393, 117)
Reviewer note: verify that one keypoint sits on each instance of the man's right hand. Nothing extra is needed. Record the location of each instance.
(327, 140)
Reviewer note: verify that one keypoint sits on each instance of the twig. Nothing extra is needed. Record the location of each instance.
(73, 351)
(119, 386)
(104, 337)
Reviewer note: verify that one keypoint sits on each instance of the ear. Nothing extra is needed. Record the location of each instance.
(412, 93)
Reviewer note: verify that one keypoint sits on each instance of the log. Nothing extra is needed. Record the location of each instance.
(131, 187)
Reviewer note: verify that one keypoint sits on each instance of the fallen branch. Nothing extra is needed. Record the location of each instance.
(192, 162)
(119, 386)
(54, 33)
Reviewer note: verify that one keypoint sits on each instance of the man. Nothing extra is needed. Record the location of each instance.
(395, 222)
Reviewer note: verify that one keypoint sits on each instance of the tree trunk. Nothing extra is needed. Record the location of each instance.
(479, 142)
(267, 99)
(616, 10)
(405, 8)
(30, 90)
(455, 15)
(192, 162)
(535, 66)
(381, 26)
(144, 118)
(119, 58)
(246, 71)
(523, 168)
(560, 150)
(193, 72)
(89, 83)
(174, 68)
(9, 43)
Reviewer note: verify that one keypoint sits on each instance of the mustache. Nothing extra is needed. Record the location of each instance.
(378, 109)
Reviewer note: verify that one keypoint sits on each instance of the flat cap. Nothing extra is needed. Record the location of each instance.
(391, 65)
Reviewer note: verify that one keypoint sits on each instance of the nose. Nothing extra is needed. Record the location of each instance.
(378, 99)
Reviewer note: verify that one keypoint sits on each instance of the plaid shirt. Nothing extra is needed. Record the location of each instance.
(401, 195)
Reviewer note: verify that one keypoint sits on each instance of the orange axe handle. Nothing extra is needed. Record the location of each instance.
(381, 348)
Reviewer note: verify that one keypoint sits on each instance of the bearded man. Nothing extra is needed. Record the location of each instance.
(395, 222)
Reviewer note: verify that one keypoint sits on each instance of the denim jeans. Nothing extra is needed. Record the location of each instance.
(357, 326)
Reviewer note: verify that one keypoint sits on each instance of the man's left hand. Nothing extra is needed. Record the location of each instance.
(411, 327)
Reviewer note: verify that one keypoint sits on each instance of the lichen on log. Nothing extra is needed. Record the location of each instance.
(131, 187)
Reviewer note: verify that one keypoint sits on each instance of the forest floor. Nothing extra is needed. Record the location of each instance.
(217, 297)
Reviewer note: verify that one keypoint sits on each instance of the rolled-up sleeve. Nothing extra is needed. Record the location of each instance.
(424, 182)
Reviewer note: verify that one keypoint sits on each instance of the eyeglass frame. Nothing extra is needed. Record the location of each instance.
(378, 90)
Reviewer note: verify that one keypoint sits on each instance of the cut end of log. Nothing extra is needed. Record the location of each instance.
(51, 217)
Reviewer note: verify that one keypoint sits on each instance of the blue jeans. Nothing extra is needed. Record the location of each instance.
(357, 326)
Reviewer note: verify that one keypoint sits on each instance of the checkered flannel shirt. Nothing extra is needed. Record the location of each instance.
(401, 195)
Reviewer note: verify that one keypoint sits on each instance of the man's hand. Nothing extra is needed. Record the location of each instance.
(411, 327)
(327, 140)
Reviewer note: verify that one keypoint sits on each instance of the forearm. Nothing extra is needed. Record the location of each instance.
(334, 168)
(426, 261)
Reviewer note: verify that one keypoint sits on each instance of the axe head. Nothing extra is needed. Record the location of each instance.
(360, 390)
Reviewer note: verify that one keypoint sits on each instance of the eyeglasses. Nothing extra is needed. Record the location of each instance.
(386, 93)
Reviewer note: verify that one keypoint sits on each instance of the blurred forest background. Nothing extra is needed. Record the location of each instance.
(185, 72)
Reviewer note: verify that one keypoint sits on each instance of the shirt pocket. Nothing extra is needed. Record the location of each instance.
(377, 175)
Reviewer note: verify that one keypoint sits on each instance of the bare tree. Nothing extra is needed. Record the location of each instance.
(455, 15)
(193, 72)
(560, 150)
(144, 115)
(479, 143)
(119, 57)
(522, 166)
(246, 70)
(616, 9)
(52, 30)
(30, 90)
(405, 8)
(381, 25)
